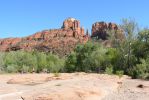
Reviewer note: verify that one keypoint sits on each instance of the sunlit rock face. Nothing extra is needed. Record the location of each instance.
(103, 31)
(73, 24)
(59, 41)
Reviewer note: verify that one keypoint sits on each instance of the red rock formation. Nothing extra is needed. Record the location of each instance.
(73, 24)
(8, 42)
(60, 41)
(105, 31)
(101, 30)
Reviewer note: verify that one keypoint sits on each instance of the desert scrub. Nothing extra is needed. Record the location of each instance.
(109, 70)
(120, 73)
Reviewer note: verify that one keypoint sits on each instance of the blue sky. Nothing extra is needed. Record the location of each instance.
(24, 17)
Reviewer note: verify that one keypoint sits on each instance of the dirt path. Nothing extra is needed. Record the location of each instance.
(129, 91)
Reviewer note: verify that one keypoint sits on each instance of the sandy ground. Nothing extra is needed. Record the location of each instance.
(75, 86)
(129, 90)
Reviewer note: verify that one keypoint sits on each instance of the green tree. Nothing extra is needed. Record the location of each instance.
(143, 35)
(89, 57)
(41, 61)
(109, 70)
(141, 45)
(21, 58)
(83, 53)
(54, 63)
(140, 70)
(98, 61)
(130, 29)
(71, 62)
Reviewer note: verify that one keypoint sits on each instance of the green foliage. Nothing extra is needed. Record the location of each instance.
(120, 73)
(41, 61)
(54, 63)
(141, 45)
(144, 35)
(2, 63)
(83, 53)
(21, 61)
(71, 62)
(98, 59)
(25, 68)
(140, 70)
(130, 27)
(87, 58)
(141, 52)
(12, 68)
(109, 70)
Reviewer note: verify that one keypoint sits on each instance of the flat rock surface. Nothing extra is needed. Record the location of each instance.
(74, 86)
(129, 90)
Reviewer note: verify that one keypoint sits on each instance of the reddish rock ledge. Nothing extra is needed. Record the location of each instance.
(59, 41)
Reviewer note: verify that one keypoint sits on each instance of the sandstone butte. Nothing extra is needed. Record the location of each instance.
(103, 31)
(60, 41)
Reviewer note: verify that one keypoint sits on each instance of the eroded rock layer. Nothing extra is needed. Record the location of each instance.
(59, 41)
(103, 30)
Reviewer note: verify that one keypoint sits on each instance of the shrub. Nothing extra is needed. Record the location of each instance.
(83, 53)
(120, 73)
(109, 70)
(89, 57)
(12, 68)
(41, 61)
(140, 70)
(71, 61)
(54, 63)
(98, 60)
(25, 69)
(2, 63)
(23, 61)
